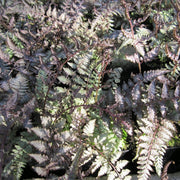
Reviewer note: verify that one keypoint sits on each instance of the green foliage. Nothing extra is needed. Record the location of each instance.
(174, 142)
(20, 154)
(79, 66)
(105, 148)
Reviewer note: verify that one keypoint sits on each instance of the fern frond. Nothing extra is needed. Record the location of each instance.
(103, 21)
(20, 86)
(153, 144)
(106, 150)
(41, 84)
(19, 158)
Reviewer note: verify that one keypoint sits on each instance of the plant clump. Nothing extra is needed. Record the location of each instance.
(83, 82)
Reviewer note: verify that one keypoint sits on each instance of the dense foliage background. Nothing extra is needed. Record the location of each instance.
(84, 82)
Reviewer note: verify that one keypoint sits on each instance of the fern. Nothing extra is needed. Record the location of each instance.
(152, 144)
(154, 129)
(67, 62)
(106, 147)
(20, 158)
(49, 141)
(19, 85)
